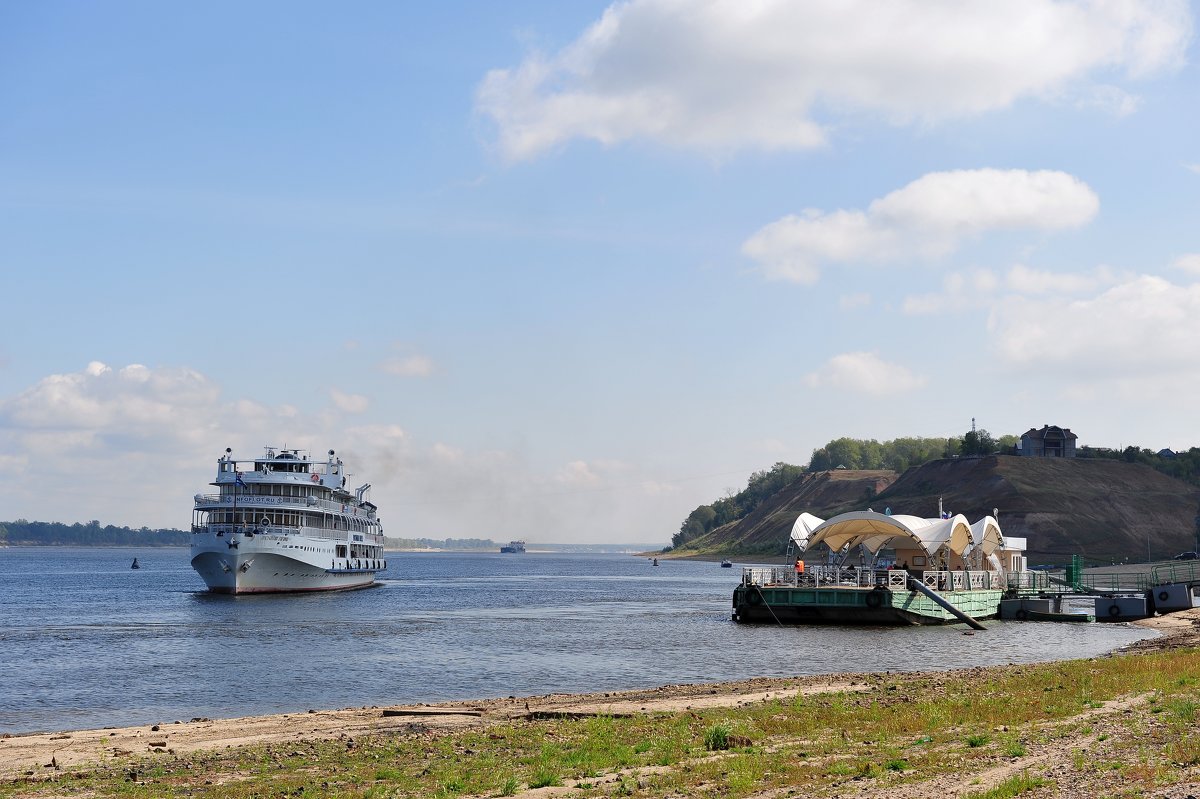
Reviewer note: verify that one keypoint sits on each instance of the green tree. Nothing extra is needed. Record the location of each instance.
(761, 486)
(697, 523)
(978, 442)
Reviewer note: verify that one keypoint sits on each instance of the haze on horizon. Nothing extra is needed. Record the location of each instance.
(563, 272)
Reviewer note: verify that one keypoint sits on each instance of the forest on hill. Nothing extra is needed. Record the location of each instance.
(897, 456)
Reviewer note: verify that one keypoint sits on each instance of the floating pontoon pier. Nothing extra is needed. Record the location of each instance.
(941, 571)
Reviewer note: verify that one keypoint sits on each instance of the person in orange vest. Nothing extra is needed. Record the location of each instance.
(799, 567)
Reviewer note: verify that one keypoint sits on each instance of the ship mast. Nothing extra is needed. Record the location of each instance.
(236, 479)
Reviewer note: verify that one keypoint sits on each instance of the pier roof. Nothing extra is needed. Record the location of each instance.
(802, 529)
(874, 531)
(986, 535)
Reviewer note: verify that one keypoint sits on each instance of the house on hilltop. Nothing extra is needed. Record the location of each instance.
(1049, 442)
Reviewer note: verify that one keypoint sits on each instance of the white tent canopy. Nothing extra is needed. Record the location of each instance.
(986, 536)
(802, 529)
(873, 531)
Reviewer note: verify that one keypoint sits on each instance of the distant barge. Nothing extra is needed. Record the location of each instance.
(513, 546)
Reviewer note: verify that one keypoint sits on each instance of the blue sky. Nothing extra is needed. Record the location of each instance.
(564, 271)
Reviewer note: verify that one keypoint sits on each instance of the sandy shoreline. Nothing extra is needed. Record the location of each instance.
(44, 752)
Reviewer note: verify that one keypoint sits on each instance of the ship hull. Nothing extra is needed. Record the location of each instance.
(263, 564)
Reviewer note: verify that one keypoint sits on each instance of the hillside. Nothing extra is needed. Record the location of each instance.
(764, 531)
(1102, 509)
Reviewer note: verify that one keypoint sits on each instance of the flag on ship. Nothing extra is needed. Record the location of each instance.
(237, 479)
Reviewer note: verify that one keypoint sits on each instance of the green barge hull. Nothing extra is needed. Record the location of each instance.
(785, 604)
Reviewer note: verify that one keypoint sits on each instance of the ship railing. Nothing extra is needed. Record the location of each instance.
(286, 503)
(288, 529)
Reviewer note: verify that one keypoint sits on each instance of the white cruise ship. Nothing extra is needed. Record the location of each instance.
(284, 524)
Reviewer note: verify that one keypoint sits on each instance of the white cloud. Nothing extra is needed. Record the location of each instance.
(95, 438)
(864, 372)
(1192, 168)
(1144, 329)
(982, 289)
(1189, 263)
(578, 473)
(714, 75)
(1023, 280)
(1110, 99)
(960, 292)
(350, 403)
(408, 366)
(927, 218)
(99, 397)
(132, 445)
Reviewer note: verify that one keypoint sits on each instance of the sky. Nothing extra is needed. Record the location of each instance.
(565, 271)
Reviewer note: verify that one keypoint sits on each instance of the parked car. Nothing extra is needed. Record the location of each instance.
(1186, 556)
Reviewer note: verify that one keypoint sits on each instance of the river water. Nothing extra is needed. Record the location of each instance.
(86, 642)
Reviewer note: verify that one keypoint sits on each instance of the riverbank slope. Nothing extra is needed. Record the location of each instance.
(1072, 727)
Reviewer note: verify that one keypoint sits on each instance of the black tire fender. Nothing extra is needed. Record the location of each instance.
(874, 599)
(1114, 611)
(1021, 615)
(1163, 596)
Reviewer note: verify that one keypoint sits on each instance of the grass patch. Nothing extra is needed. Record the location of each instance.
(716, 737)
(1013, 786)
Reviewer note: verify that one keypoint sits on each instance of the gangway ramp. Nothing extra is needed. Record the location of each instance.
(936, 597)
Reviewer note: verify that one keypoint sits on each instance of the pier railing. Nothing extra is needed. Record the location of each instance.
(853, 577)
(1182, 572)
(895, 579)
(1115, 581)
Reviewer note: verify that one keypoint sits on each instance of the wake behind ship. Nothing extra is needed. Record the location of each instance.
(286, 524)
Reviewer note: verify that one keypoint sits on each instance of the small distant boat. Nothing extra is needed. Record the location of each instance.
(135, 564)
(513, 546)
(727, 564)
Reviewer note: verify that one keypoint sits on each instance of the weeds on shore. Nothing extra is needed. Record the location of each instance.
(906, 728)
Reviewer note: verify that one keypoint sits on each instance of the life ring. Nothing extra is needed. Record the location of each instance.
(754, 597)
(874, 599)
(1163, 596)
(1021, 615)
(265, 522)
(1114, 611)
(316, 478)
